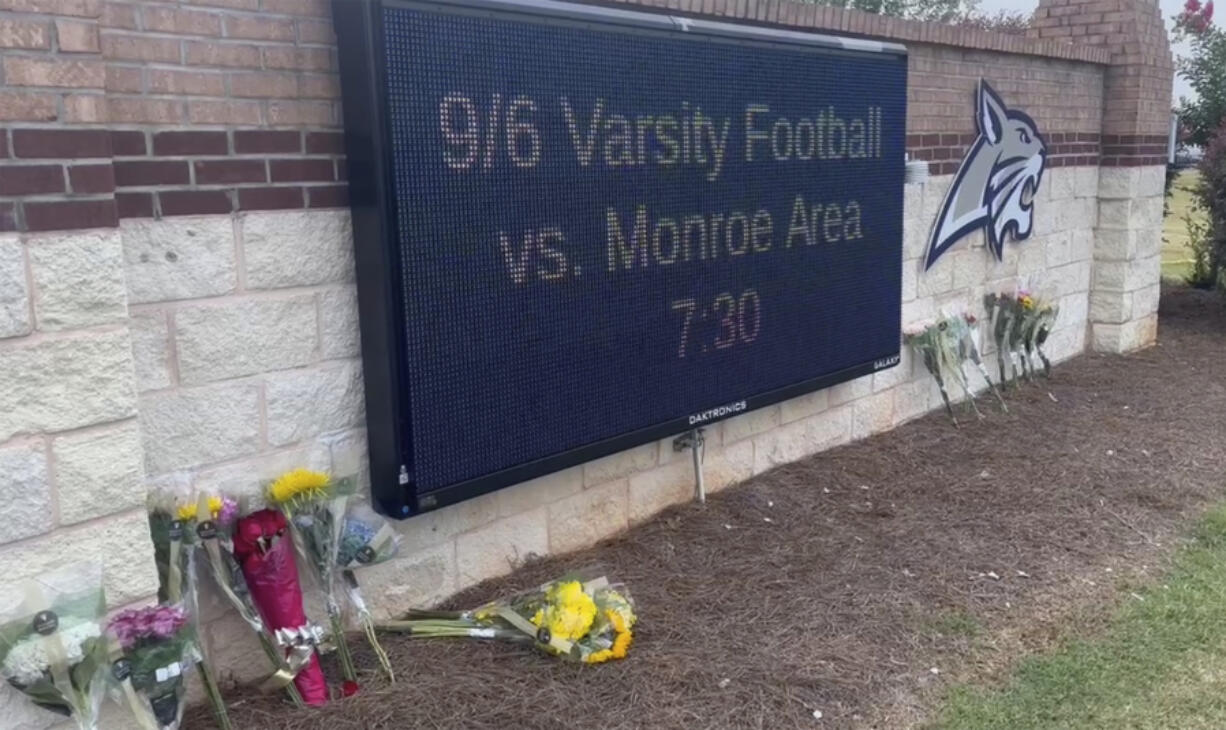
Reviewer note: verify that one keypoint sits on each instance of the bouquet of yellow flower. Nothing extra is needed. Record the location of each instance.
(175, 526)
(1005, 315)
(1037, 322)
(1020, 323)
(584, 621)
(315, 505)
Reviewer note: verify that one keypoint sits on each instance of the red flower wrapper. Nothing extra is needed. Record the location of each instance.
(263, 548)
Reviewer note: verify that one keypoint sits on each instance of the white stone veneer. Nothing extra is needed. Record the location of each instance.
(231, 354)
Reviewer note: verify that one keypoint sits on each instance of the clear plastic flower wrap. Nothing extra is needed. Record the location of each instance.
(153, 650)
(217, 553)
(51, 644)
(262, 548)
(175, 524)
(587, 620)
(366, 539)
(332, 533)
(1020, 324)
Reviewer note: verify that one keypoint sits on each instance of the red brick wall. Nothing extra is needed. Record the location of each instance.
(131, 108)
(222, 105)
(122, 108)
(1137, 84)
(52, 72)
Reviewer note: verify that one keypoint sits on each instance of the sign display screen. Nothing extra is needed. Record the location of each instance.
(611, 228)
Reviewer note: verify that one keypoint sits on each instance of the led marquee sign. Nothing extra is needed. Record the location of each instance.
(579, 229)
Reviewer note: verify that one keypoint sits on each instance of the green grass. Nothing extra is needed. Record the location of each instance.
(1176, 256)
(1160, 666)
(957, 623)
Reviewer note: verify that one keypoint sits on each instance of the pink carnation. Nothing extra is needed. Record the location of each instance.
(134, 625)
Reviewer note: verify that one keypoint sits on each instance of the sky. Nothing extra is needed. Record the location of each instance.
(1169, 9)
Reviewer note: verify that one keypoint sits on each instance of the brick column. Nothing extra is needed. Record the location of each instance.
(1136, 114)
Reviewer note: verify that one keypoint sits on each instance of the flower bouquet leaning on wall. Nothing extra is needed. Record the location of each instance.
(51, 643)
(262, 547)
(331, 543)
(944, 346)
(584, 621)
(152, 651)
(174, 528)
(934, 343)
(1004, 321)
(925, 341)
(366, 539)
(1020, 324)
(963, 333)
(1038, 319)
(217, 546)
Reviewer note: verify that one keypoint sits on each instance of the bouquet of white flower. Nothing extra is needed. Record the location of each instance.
(51, 643)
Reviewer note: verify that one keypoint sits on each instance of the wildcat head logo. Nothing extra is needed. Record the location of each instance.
(997, 181)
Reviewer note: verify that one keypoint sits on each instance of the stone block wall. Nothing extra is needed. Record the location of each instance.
(1127, 258)
(72, 477)
(177, 296)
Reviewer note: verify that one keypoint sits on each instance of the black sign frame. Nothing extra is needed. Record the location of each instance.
(362, 59)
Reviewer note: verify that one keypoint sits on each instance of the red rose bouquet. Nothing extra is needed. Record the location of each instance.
(262, 547)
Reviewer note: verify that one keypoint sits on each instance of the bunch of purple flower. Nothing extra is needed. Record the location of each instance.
(158, 650)
(154, 623)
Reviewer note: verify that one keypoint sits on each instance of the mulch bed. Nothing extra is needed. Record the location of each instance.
(838, 583)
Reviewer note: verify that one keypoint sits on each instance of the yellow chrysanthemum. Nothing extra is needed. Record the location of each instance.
(621, 643)
(611, 600)
(1027, 302)
(568, 613)
(617, 621)
(299, 484)
(188, 511)
(599, 657)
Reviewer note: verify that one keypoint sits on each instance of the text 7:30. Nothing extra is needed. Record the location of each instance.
(739, 320)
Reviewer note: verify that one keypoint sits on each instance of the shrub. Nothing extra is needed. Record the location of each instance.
(1172, 172)
(1202, 274)
(1009, 22)
(1204, 68)
(1209, 241)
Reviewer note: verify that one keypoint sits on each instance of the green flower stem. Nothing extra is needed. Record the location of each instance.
(436, 628)
(278, 661)
(214, 693)
(417, 614)
(368, 627)
(342, 647)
